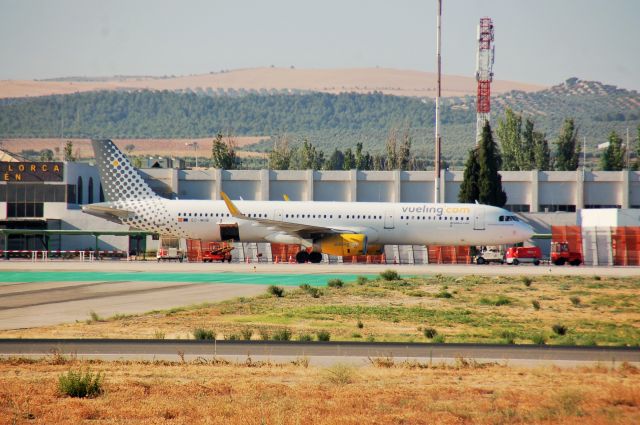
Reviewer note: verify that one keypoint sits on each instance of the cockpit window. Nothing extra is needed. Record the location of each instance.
(508, 218)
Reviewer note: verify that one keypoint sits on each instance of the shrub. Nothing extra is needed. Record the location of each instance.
(360, 325)
(444, 294)
(539, 339)
(246, 333)
(498, 301)
(94, 317)
(575, 301)
(79, 384)
(233, 337)
(305, 337)
(438, 339)
(390, 275)
(535, 304)
(276, 291)
(430, 333)
(508, 336)
(356, 335)
(340, 374)
(311, 290)
(335, 283)
(282, 335)
(323, 336)
(527, 281)
(597, 278)
(158, 335)
(204, 334)
(264, 334)
(559, 329)
(361, 280)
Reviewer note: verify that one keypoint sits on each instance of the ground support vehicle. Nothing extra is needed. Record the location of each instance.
(523, 254)
(490, 254)
(561, 254)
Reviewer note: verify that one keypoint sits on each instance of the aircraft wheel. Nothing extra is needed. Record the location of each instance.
(515, 262)
(315, 257)
(302, 257)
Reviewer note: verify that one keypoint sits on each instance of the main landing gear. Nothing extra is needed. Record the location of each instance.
(312, 257)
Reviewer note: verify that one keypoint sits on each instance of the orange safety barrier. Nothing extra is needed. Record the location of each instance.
(625, 243)
(284, 251)
(194, 250)
(439, 254)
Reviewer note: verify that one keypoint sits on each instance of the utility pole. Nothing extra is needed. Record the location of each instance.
(628, 150)
(438, 141)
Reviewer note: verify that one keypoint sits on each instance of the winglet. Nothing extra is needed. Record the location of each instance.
(285, 197)
(232, 208)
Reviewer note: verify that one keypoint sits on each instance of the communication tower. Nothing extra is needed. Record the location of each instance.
(484, 74)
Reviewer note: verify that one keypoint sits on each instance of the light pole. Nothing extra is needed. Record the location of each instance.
(195, 149)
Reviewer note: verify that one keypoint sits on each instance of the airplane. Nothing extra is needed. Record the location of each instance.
(334, 228)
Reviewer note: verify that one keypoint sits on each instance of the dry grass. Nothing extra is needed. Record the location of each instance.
(360, 80)
(608, 314)
(205, 392)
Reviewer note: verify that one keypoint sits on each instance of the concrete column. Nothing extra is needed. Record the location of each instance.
(264, 185)
(217, 184)
(309, 185)
(534, 190)
(397, 186)
(353, 186)
(625, 189)
(443, 182)
(579, 190)
(175, 181)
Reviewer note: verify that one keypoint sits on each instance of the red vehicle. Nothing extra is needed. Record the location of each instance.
(561, 254)
(523, 254)
(220, 254)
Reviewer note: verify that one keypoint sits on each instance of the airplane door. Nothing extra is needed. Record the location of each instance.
(388, 220)
(478, 219)
(277, 215)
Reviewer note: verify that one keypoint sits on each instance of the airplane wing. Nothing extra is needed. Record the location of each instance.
(107, 212)
(298, 229)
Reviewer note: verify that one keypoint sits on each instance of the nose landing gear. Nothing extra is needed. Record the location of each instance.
(312, 257)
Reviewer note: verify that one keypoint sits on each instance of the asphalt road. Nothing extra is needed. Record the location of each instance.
(319, 352)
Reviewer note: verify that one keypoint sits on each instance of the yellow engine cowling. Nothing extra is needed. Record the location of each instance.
(342, 244)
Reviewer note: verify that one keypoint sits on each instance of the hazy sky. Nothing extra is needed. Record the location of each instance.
(537, 41)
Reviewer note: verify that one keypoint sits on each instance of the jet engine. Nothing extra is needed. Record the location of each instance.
(342, 244)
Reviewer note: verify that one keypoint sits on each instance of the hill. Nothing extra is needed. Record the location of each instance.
(328, 120)
(269, 80)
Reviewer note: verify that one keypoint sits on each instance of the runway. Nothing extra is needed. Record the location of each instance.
(320, 353)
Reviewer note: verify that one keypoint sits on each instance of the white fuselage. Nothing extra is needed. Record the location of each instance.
(383, 223)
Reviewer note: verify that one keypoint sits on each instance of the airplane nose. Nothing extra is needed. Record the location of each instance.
(526, 230)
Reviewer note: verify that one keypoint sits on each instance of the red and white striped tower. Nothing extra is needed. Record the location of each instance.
(484, 74)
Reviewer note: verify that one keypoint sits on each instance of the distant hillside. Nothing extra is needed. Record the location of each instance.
(268, 81)
(328, 120)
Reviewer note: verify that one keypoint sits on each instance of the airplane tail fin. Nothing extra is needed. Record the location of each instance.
(120, 181)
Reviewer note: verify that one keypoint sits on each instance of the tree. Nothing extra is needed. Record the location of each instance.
(469, 191)
(280, 155)
(306, 157)
(46, 155)
(68, 152)
(130, 148)
(335, 161)
(349, 162)
(636, 165)
(489, 181)
(541, 152)
(526, 153)
(568, 150)
(509, 133)
(613, 156)
(137, 162)
(223, 154)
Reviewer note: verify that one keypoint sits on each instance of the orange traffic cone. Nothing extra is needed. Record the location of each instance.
(291, 259)
(276, 260)
(383, 260)
(354, 259)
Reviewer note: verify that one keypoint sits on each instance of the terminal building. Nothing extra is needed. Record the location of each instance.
(49, 196)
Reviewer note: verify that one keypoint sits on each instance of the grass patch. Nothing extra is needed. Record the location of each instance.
(535, 304)
(335, 283)
(340, 374)
(323, 336)
(276, 291)
(204, 334)
(390, 275)
(282, 335)
(496, 301)
(430, 333)
(559, 329)
(80, 384)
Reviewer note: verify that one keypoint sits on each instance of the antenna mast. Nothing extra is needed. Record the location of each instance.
(437, 164)
(484, 74)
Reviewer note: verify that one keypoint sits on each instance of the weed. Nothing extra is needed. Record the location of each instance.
(361, 280)
(383, 362)
(535, 304)
(356, 335)
(371, 338)
(340, 374)
(430, 333)
(444, 294)
(264, 334)
(390, 275)
(575, 301)
(559, 329)
(569, 402)
(311, 290)
(497, 301)
(80, 384)
(509, 337)
(335, 283)
(158, 335)
(360, 325)
(233, 337)
(283, 334)
(597, 278)
(438, 339)
(246, 333)
(527, 281)
(94, 317)
(323, 336)
(539, 339)
(305, 337)
(204, 334)
(276, 291)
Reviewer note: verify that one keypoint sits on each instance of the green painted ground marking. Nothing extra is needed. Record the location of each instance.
(289, 279)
